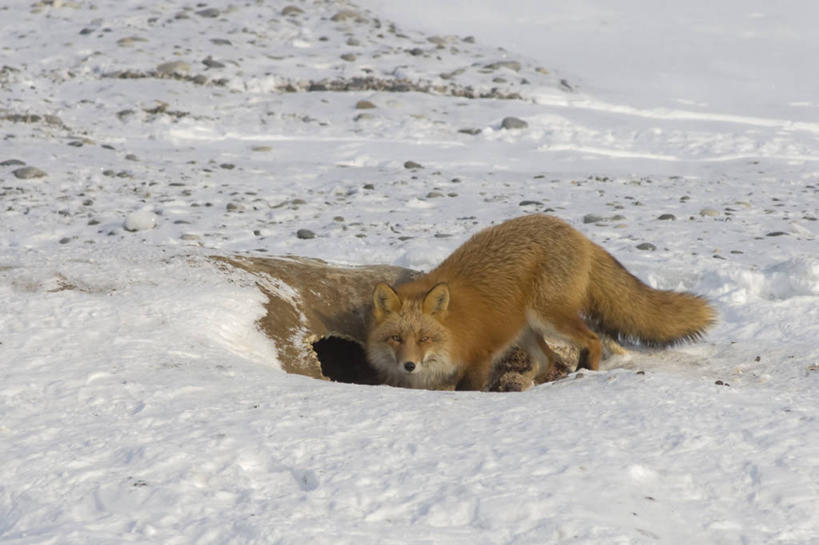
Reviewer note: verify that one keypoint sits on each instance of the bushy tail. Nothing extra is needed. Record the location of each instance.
(622, 306)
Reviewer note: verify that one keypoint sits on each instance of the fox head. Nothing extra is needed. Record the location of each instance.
(408, 343)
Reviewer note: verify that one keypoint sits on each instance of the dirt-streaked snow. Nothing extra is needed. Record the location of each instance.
(139, 403)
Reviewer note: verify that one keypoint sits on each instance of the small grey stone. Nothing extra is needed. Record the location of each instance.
(27, 173)
(513, 123)
(173, 67)
(776, 234)
(470, 131)
(344, 15)
(510, 65)
(220, 41)
(646, 246)
(12, 163)
(210, 63)
(364, 105)
(189, 236)
(353, 41)
(292, 10)
(416, 51)
(667, 217)
(412, 164)
(530, 203)
(349, 57)
(305, 234)
(434, 195)
(208, 12)
(709, 212)
(592, 218)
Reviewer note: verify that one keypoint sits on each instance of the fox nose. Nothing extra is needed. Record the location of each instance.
(409, 366)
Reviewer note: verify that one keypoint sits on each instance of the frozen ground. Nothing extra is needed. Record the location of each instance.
(138, 401)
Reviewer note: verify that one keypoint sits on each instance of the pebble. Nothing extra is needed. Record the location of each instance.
(470, 131)
(173, 67)
(412, 164)
(344, 14)
(364, 105)
(646, 246)
(349, 57)
(141, 220)
(292, 10)
(210, 63)
(208, 12)
(27, 173)
(513, 123)
(592, 218)
(711, 212)
(305, 234)
(511, 65)
(11, 163)
(666, 217)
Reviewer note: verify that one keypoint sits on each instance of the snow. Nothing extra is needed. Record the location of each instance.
(140, 403)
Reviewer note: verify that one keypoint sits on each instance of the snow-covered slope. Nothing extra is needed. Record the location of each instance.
(138, 401)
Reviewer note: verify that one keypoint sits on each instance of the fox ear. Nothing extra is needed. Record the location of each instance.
(385, 301)
(437, 299)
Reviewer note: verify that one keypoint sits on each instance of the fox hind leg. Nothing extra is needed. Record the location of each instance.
(573, 329)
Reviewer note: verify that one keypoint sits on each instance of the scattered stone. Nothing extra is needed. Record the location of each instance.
(349, 57)
(261, 148)
(131, 157)
(353, 41)
(509, 65)
(227, 166)
(305, 234)
(292, 10)
(141, 220)
(667, 217)
(12, 163)
(173, 67)
(412, 165)
(130, 40)
(364, 116)
(234, 207)
(344, 15)
(566, 86)
(710, 212)
(776, 234)
(189, 236)
(470, 131)
(364, 105)
(510, 123)
(593, 218)
(530, 203)
(210, 63)
(208, 12)
(220, 41)
(434, 195)
(647, 246)
(27, 173)
(416, 51)
(65, 240)
(369, 187)
(469, 39)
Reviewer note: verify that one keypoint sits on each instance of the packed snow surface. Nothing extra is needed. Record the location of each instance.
(140, 403)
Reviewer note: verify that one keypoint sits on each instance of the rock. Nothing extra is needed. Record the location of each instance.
(349, 57)
(510, 65)
(141, 220)
(292, 10)
(210, 63)
(434, 195)
(667, 217)
(470, 131)
(510, 123)
(27, 173)
(592, 218)
(364, 105)
(208, 12)
(711, 212)
(261, 148)
(530, 203)
(173, 67)
(12, 163)
(647, 246)
(412, 164)
(220, 41)
(344, 15)
(305, 234)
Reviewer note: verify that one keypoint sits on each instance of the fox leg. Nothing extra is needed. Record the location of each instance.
(476, 376)
(572, 328)
(542, 357)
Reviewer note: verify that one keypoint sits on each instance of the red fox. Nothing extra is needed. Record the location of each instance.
(512, 284)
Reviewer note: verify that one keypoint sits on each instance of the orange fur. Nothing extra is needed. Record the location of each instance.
(514, 283)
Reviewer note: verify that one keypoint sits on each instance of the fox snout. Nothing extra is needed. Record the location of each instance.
(409, 366)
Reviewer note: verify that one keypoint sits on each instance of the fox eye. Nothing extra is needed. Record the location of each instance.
(395, 338)
(425, 339)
